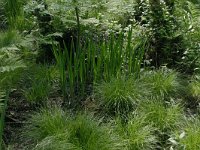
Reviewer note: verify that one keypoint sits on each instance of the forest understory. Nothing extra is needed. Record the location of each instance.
(99, 75)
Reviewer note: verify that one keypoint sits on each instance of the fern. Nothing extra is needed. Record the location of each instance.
(10, 62)
(10, 66)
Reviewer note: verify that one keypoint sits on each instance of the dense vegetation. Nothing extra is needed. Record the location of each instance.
(99, 74)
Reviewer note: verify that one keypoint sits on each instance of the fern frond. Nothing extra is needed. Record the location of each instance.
(10, 65)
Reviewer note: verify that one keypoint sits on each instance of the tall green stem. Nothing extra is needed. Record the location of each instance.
(78, 23)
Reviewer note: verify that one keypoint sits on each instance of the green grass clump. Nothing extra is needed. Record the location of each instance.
(188, 135)
(122, 95)
(192, 139)
(53, 129)
(8, 38)
(194, 87)
(119, 96)
(88, 134)
(46, 122)
(162, 82)
(165, 117)
(138, 134)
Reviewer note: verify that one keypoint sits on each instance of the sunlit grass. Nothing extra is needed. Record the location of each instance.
(138, 134)
(163, 82)
(165, 117)
(54, 129)
(187, 136)
(120, 96)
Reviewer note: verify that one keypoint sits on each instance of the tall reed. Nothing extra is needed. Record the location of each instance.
(98, 61)
(61, 59)
(14, 12)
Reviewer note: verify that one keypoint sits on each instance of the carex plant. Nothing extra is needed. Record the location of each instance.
(187, 135)
(138, 134)
(55, 129)
(97, 61)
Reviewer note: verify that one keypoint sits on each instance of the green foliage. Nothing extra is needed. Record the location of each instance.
(2, 18)
(105, 45)
(99, 16)
(194, 87)
(10, 67)
(99, 61)
(50, 129)
(8, 38)
(14, 13)
(90, 135)
(166, 118)
(166, 44)
(190, 30)
(163, 82)
(61, 59)
(172, 40)
(38, 84)
(162, 116)
(2, 95)
(140, 136)
(187, 137)
(11, 59)
(137, 133)
(46, 122)
(120, 95)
